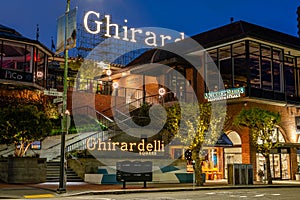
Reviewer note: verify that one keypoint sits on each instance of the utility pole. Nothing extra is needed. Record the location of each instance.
(65, 112)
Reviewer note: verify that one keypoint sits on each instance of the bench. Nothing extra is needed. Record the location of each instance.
(134, 171)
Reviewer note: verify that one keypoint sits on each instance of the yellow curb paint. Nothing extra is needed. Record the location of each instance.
(36, 196)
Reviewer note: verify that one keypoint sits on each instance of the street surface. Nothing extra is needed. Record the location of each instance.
(257, 193)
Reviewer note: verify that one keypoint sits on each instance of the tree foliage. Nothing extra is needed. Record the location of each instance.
(23, 124)
(261, 124)
(196, 125)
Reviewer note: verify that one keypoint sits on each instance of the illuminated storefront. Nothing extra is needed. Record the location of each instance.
(22, 60)
(258, 67)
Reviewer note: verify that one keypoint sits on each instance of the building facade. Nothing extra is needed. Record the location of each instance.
(259, 65)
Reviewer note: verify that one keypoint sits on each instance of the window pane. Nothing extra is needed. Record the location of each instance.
(13, 56)
(254, 71)
(213, 54)
(289, 75)
(240, 71)
(40, 71)
(226, 72)
(254, 48)
(277, 54)
(277, 75)
(266, 51)
(266, 73)
(224, 53)
(239, 48)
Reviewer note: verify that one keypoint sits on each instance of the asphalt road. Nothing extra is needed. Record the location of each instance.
(257, 193)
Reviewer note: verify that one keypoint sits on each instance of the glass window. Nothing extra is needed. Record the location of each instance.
(40, 58)
(254, 48)
(265, 51)
(213, 54)
(277, 72)
(225, 53)
(240, 71)
(238, 49)
(277, 54)
(289, 75)
(225, 63)
(226, 72)
(29, 59)
(254, 71)
(266, 73)
(13, 56)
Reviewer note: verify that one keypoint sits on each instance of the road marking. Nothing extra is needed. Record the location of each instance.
(259, 195)
(36, 196)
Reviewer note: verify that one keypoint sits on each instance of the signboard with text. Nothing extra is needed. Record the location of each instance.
(53, 92)
(224, 94)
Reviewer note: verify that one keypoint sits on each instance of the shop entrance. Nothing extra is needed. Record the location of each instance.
(279, 158)
(280, 163)
(233, 155)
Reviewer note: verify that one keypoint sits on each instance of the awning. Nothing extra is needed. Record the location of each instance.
(223, 141)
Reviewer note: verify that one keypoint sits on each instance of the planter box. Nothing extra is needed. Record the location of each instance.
(297, 177)
(23, 170)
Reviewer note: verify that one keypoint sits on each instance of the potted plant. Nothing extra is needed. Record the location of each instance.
(260, 174)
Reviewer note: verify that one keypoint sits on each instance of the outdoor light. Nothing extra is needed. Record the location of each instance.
(161, 91)
(115, 85)
(67, 112)
(39, 74)
(108, 72)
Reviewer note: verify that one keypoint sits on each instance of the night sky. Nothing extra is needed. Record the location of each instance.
(188, 16)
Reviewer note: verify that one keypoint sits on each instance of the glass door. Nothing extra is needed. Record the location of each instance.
(275, 166)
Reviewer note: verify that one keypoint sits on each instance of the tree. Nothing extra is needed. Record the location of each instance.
(261, 124)
(22, 125)
(199, 124)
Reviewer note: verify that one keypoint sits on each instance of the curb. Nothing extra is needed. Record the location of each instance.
(176, 189)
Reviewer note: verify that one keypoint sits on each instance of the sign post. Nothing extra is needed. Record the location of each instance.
(65, 112)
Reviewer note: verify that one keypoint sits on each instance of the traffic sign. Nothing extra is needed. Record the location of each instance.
(53, 92)
(58, 100)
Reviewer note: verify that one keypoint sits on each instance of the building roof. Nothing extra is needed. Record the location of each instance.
(228, 33)
(12, 34)
(242, 29)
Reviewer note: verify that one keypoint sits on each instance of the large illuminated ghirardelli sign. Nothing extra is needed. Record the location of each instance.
(152, 39)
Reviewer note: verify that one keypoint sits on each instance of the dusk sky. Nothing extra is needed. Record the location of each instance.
(188, 16)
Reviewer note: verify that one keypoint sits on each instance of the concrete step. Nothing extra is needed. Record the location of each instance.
(53, 173)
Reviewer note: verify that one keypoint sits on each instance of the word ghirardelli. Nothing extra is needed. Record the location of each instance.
(98, 144)
(151, 39)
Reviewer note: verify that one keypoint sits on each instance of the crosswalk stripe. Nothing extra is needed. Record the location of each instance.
(36, 196)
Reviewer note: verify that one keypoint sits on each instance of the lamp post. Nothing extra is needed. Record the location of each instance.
(65, 113)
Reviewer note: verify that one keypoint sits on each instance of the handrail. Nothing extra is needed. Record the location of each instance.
(81, 141)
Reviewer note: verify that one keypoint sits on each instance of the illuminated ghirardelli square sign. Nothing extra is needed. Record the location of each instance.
(150, 38)
(143, 147)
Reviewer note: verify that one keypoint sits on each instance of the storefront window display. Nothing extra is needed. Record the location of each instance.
(279, 158)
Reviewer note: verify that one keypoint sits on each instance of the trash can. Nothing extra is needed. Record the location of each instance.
(240, 174)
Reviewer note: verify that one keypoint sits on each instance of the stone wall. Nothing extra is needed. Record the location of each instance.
(23, 170)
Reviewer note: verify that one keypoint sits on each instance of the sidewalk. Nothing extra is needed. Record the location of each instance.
(48, 190)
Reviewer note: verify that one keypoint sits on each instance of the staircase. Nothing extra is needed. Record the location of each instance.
(53, 172)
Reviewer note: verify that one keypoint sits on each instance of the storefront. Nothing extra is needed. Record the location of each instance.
(22, 60)
(261, 70)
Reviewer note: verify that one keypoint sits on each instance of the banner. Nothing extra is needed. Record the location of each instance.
(66, 40)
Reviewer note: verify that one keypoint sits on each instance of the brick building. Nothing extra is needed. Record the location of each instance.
(260, 66)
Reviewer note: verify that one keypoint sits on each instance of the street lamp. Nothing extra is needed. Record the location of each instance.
(162, 92)
(65, 112)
